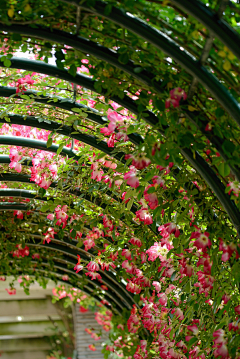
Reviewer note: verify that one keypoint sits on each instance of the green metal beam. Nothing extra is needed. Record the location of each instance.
(20, 193)
(59, 273)
(78, 79)
(128, 103)
(216, 185)
(68, 105)
(102, 145)
(11, 206)
(36, 144)
(4, 159)
(163, 43)
(219, 27)
(88, 47)
(70, 255)
(65, 131)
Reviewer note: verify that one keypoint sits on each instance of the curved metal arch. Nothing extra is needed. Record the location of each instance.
(78, 79)
(201, 167)
(70, 257)
(31, 195)
(36, 144)
(68, 105)
(65, 131)
(103, 53)
(4, 159)
(219, 27)
(87, 46)
(11, 206)
(117, 293)
(163, 43)
(111, 296)
(21, 193)
(214, 139)
(87, 290)
(198, 163)
(14, 177)
(102, 145)
(216, 185)
(113, 290)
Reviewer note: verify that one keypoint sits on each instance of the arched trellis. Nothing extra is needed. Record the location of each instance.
(68, 249)
(199, 71)
(57, 276)
(196, 161)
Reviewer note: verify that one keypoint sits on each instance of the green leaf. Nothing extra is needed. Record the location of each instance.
(151, 190)
(98, 86)
(60, 148)
(131, 129)
(219, 112)
(192, 341)
(24, 48)
(7, 62)
(16, 37)
(123, 58)
(236, 271)
(138, 70)
(187, 287)
(228, 147)
(173, 276)
(160, 105)
(42, 192)
(186, 140)
(73, 70)
(149, 175)
(130, 203)
(223, 169)
(108, 9)
(49, 142)
(59, 55)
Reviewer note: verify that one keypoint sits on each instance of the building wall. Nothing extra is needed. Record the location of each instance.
(83, 339)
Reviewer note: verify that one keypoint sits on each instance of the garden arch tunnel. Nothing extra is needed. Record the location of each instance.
(134, 124)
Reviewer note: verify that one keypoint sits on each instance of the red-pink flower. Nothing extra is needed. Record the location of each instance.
(154, 251)
(94, 275)
(162, 298)
(237, 309)
(93, 266)
(175, 97)
(135, 241)
(19, 214)
(151, 198)
(61, 215)
(202, 241)
(89, 243)
(208, 127)
(50, 216)
(11, 291)
(126, 253)
(221, 352)
(139, 160)
(92, 347)
(144, 216)
(131, 178)
(157, 286)
(111, 140)
(178, 313)
(78, 267)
